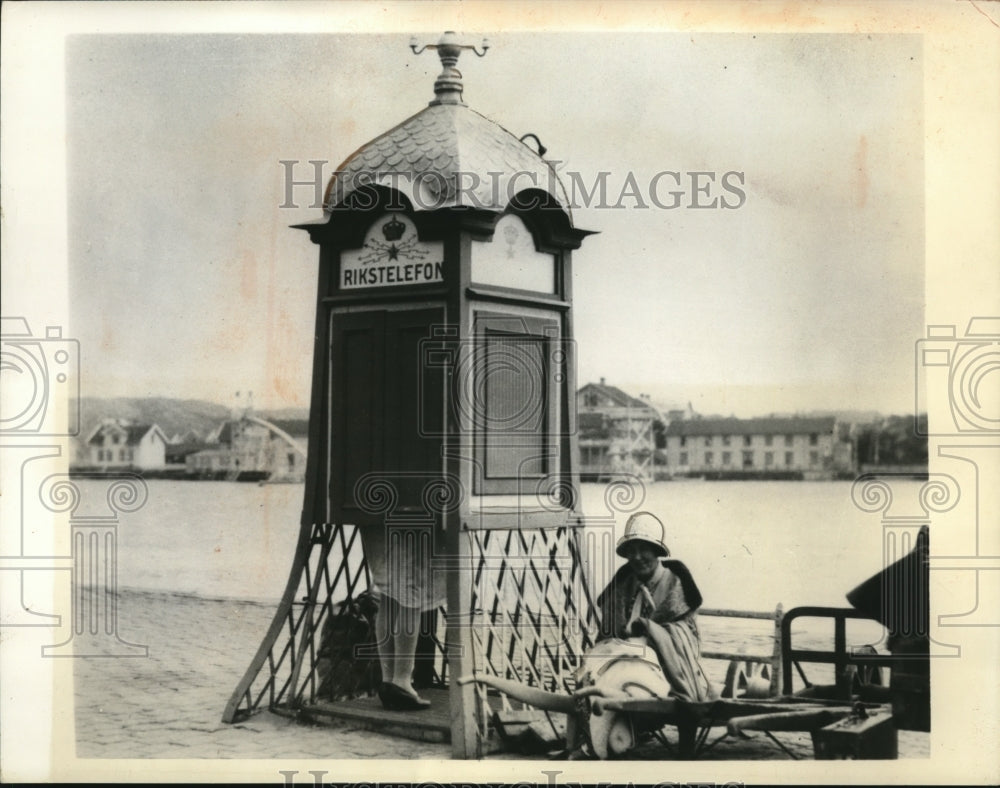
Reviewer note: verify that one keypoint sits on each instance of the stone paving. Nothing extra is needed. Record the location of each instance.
(170, 704)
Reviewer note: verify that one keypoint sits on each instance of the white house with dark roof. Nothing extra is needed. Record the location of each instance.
(116, 443)
(799, 447)
(616, 432)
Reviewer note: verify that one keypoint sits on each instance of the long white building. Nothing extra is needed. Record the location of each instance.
(794, 446)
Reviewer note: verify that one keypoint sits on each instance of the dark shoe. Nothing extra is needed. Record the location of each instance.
(395, 698)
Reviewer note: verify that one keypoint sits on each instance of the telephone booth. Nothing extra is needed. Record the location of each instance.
(443, 412)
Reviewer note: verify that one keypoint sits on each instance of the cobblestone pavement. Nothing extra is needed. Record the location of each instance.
(170, 704)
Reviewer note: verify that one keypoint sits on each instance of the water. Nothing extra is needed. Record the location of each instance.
(752, 545)
(211, 539)
(749, 545)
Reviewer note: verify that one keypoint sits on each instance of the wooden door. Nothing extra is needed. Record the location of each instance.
(386, 409)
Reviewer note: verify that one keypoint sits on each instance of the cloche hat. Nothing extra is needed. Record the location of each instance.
(643, 527)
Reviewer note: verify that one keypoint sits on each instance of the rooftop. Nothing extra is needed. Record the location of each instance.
(760, 426)
(617, 395)
(134, 433)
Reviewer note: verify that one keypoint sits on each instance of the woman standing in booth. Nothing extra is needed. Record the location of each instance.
(399, 559)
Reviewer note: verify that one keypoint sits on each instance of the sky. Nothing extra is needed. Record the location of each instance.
(186, 281)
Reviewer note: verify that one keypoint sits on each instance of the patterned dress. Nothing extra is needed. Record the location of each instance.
(400, 559)
(665, 611)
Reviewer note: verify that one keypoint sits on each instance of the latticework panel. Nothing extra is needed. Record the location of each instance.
(533, 618)
(305, 643)
(533, 615)
(329, 569)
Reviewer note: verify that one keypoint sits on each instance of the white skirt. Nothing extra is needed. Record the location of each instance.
(400, 560)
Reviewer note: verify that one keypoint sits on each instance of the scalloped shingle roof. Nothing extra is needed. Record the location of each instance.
(446, 156)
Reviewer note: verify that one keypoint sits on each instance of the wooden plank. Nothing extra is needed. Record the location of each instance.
(518, 297)
(500, 518)
(416, 293)
(463, 717)
(762, 660)
(720, 711)
(459, 429)
(307, 630)
(711, 611)
(433, 724)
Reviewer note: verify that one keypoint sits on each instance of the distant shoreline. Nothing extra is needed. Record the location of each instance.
(918, 473)
(179, 474)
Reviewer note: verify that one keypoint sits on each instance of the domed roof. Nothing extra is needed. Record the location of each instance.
(448, 155)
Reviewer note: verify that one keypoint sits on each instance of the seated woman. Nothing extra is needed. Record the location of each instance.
(655, 596)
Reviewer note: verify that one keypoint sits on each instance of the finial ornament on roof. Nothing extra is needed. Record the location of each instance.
(448, 85)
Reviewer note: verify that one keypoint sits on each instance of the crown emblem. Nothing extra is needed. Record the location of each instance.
(393, 230)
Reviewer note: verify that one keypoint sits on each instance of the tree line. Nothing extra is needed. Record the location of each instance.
(894, 440)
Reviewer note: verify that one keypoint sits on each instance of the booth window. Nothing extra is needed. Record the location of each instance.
(511, 260)
(514, 397)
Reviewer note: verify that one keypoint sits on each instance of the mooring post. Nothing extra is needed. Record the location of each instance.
(776, 652)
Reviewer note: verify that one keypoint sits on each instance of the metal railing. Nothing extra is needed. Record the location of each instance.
(772, 660)
(841, 657)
